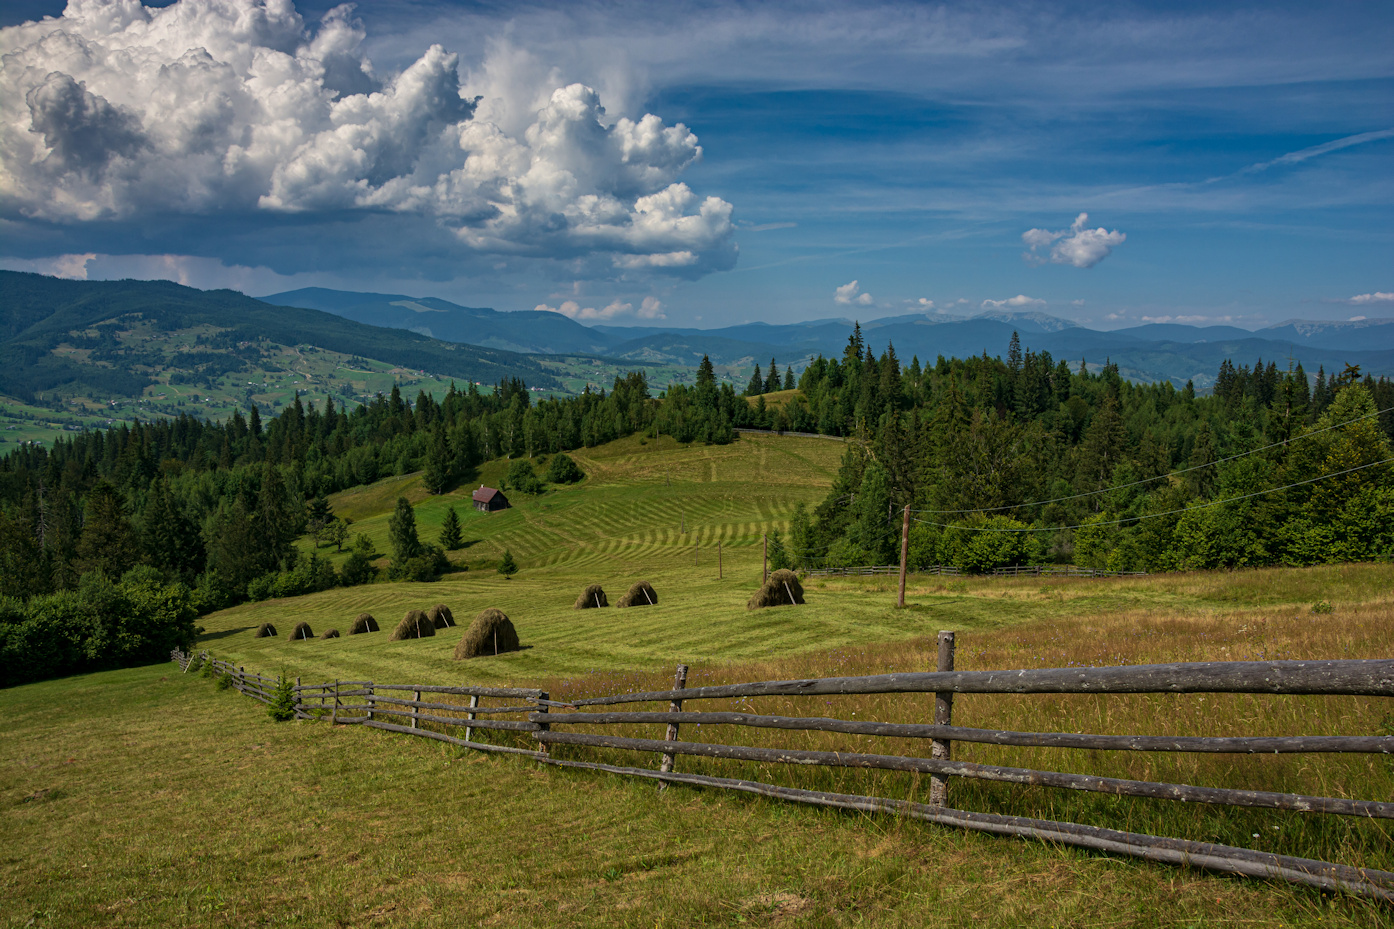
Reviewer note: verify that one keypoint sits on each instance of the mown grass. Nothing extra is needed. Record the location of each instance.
(146, 797)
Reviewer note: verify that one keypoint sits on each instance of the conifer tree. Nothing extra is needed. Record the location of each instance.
(756, 385)
(508, 567)
(788, 378)
(772, 379)
(450, 537)
(401, 531)
(108, 542)
(437, 477)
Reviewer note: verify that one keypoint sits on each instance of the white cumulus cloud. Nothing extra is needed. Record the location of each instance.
(1077, 246)
(117, 113)
(1018, 302)
(849, 294)
(1378, 296)
(649, 308)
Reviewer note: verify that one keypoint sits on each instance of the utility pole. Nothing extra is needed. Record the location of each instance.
(904, 554)
(765, 542)
(718, 560)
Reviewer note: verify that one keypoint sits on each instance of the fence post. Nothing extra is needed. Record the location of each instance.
(674, 706)
(904, 554)
(474, 702)
(371, 699)
(298, 713)
(334, 713)
(943, 716)
(542, 699)
(242, 680)
(416, 710)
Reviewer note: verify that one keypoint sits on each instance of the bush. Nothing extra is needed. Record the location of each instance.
(282, 706)
(427, 566)
(357, 569)
(522, 477)
(224, 681)
(563, 470)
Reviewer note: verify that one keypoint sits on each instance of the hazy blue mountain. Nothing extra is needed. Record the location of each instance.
(1369, 334)
(38, 314)
(532, 331)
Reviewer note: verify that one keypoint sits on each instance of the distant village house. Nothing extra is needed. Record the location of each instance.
(487, 499)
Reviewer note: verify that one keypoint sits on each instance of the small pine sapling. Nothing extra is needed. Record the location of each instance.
(282, 701)
(450, 537)
(508, 566)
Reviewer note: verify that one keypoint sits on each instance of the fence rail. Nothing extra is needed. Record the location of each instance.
(948, 570)
(387, 707)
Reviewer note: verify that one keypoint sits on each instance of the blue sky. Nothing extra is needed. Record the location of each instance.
(1235, 165)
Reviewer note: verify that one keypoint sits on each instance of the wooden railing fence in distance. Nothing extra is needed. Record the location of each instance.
(581, 723)
(948, 570)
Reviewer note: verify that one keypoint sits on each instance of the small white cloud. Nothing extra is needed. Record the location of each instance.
(649, 308)
(851, 293)
(1014, 303)
(925, 303)
(1077, 246)
(1191, 320)
(1376, 297)
(1356, 319)
(1076, 303)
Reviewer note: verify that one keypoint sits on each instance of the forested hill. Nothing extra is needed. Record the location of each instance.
(53, 336)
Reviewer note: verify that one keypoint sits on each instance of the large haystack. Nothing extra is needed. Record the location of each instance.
(441, 617)
(782, 589)
(591, 598)
(330, 634)
(265, 631)
(641, 594)
(491, 633)
(301, 631)
(414, 625)
(364, 623)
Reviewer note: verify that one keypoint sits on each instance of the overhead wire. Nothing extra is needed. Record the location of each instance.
(1149, 480)
(1184, 509)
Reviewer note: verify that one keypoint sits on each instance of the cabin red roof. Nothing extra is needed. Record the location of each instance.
(484, 494)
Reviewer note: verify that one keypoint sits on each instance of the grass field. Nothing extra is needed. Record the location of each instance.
(146, 797)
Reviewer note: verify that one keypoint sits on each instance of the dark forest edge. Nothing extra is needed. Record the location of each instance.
(201, 515)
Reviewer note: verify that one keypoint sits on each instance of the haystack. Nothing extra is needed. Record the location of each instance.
(641, 594)
(491, 633)
(364, 623)
(330, 634)
(414, 625)
(265, 631)
(592, 597)
(441, 617)
(782, 589)
(301, 631)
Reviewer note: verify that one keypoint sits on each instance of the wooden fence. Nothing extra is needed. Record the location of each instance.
(550, 723)
(947, 570)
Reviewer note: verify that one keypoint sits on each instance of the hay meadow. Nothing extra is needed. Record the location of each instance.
(149, 798)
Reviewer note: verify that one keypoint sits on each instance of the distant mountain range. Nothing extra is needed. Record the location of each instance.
(56, 335)
(1146, 353)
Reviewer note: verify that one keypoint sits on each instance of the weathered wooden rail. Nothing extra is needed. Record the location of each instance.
(387, 707)
(948, 570)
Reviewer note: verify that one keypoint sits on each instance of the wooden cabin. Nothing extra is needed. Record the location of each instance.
(489, 500)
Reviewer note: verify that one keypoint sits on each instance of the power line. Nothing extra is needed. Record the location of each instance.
(1184, 509)
(1149, 480)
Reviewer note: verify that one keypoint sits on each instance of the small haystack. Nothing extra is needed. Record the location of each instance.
(441, 617)
(592, 597)
(414, 625)
(364, 623)
(301, 631)
(265, 631)
(782, 589)
(641, 594)
(491, 633)
(330, 634)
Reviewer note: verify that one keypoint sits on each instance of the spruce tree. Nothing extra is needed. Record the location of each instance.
(170, 539)
(772, 379)
(756, 385)
(450, 537)
(508, 567)
(788, 378)
(437, 477)
(108, 542)
(401, 531)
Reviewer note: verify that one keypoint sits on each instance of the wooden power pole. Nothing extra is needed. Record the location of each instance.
(904, 553)
(765, 543)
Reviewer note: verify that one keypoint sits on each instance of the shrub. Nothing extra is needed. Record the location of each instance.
(224, 681)
(357, 569)
(523, 478)
(282, 706)
(563, 470)
(429, 565)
